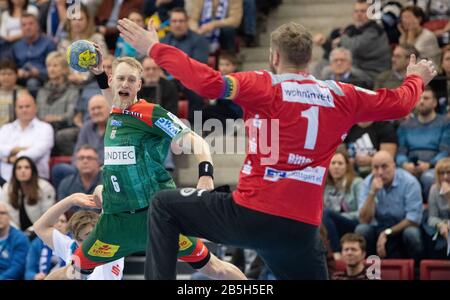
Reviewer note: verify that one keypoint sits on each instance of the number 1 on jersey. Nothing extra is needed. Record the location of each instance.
(312, 115)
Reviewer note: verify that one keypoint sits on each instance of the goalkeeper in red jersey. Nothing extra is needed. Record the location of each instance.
(277, 206)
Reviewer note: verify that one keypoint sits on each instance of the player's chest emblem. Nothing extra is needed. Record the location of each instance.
(113, 134)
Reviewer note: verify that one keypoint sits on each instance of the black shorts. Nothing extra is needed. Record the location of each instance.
(291, 249)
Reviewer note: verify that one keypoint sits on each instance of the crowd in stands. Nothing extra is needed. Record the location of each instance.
(388, 188)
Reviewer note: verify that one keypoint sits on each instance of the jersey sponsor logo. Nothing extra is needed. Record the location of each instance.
(116, 123)
(247, 168)
(115, 270)
(168, 127)
(309, 175)
(184, 243)
(120, 156)
(295, 159)
(307, 93)
(100, 249)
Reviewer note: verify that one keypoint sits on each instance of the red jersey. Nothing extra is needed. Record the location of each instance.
(308, 118)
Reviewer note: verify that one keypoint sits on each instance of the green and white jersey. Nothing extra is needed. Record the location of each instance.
(137, 140)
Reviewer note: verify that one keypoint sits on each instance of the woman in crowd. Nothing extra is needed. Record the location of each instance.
(341, 193)
(28, 195)
(439, 209)
(57, 98)
(413, 33)
(10, 28)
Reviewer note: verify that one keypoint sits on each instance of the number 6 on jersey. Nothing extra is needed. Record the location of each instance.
(115, 184)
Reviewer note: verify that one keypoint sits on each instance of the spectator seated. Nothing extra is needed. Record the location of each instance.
(391, 269)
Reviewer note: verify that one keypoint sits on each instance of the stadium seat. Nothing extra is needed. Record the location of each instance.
(54, 160)
(435, 270)
(183, 109)
(397, 269)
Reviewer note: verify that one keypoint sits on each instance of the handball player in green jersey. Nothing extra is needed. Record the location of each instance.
(137, 139)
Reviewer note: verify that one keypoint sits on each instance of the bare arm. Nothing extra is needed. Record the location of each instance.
(62, 10)
(202, 153)
(44, 226)
(59, 274)
(194, 13)
(65, 273)
(200, 147)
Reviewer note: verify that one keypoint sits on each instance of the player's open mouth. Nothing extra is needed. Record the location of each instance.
(124, 94)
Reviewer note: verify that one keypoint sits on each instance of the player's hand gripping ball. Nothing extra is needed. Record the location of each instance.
(81, 55)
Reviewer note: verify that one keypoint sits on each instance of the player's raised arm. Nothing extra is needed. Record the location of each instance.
(390, 104)
(101, 77)
(196, 145)
(202, 153)
(425, 69)
(142, 40)
(44, 225)
(194, 75)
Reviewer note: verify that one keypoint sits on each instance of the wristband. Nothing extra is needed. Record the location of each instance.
(205, 168)
(102, 80)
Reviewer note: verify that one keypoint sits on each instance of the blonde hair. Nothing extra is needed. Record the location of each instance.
(131, 61)
(80, 220)
(55, 55)
(293, 42)
(442, 164)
